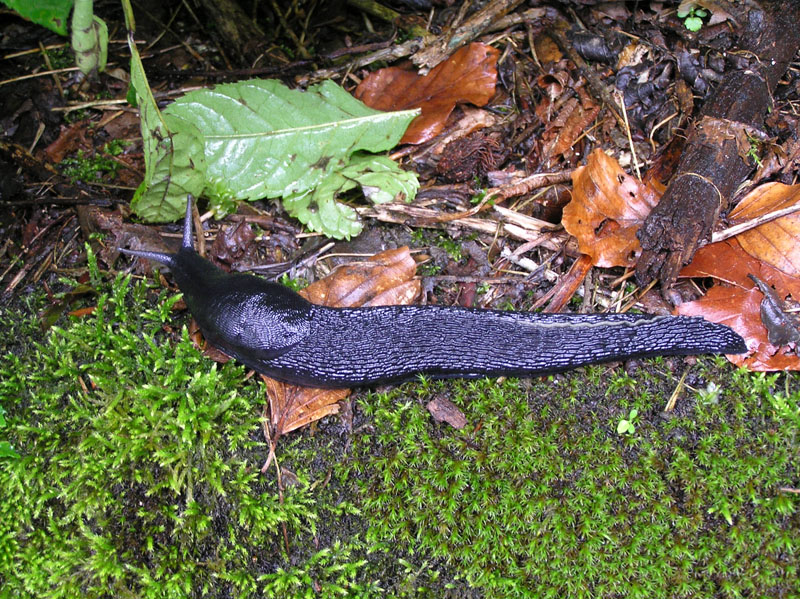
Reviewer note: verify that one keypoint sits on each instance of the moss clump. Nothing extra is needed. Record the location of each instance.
(138, 473)
(539, 495)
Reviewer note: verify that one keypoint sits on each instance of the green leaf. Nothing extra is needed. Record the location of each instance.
(266, 140)
(173, 154)
(693, 24)
(262, 140)
(7, 451)
(52, 14)
(381, 181)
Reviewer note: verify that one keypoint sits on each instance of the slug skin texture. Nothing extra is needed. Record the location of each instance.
(276, 332)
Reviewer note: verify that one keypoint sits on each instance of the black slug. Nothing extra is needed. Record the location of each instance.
(274, 331)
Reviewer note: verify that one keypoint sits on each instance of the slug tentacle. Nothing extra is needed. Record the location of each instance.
(276, 332)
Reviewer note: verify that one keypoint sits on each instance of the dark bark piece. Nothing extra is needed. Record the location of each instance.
(715, 162)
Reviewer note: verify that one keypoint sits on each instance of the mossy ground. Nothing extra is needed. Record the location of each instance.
(139, 476)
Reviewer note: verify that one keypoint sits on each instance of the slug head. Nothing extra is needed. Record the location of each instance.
(247, 317)
(169, 260)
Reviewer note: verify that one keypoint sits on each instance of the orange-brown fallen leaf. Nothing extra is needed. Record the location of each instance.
(469, 75)
(727, 262)
(738, 303)
(384, 279)
(740, 309)
(776, 242)
(607, 208)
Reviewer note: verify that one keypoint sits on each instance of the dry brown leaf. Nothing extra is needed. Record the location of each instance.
(607, 208)
(70, 139)
(776, 242)
(547, 50)
(469, 75)
(740, 309)
(575, 125)
(384, 279)
(566, 127)
(738, 304)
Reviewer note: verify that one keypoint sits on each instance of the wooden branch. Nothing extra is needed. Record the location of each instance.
(715, 160)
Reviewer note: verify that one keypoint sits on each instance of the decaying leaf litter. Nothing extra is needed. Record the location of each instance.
(519, 136)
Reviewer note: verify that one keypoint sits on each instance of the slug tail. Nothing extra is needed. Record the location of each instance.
(349, 347)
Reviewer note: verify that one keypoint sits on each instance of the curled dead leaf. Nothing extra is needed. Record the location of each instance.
(607, 208)
(469, 75)
(776, 242)
(444, 410)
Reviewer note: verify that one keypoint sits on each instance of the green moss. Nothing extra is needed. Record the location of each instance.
(538, 495)
(138, 473)
(91, 168)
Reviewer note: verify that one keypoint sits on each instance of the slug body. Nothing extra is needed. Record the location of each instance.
(276, 332)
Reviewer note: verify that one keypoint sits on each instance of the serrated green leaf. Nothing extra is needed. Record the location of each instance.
(380, 178)
(266, 140)
(173, 154)
(52, 14)
(318, 209)
(261, 139)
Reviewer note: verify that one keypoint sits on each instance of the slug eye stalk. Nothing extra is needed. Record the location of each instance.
(276, 332)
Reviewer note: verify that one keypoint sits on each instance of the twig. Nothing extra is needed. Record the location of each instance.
(438, 50)
(753, 223)
(673, 399)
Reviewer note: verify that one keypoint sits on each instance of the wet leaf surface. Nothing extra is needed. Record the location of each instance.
(776, 242)
(737, 303)
(469, 75)
(608, 206)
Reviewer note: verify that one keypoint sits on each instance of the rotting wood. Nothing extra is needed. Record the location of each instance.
(715, 163)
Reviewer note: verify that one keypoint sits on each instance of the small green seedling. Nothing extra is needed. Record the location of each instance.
(692, 16)
(626, 426)
(709, 395)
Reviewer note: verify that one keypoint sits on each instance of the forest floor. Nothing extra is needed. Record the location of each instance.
(133, 465)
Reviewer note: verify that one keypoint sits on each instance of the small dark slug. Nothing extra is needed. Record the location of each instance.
(276, 332)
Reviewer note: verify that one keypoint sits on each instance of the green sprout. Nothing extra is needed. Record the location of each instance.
(625, 426)
(753, 152)
(692, 16)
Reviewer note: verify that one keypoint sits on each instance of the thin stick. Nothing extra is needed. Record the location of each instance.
(753, 223)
